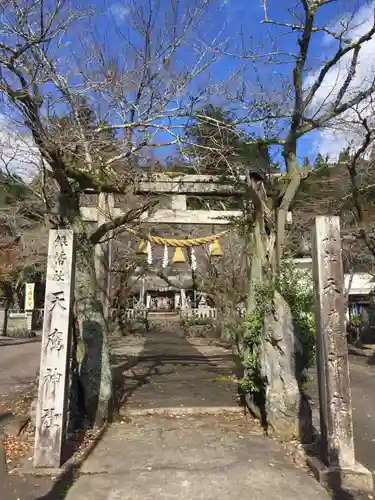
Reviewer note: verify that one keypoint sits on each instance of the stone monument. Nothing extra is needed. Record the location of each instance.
(52, 402)
(337, 466)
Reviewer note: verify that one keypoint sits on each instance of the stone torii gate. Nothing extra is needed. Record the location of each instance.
(178, 188)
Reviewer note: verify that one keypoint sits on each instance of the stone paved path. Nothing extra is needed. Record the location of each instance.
(186, 438)
(195, 458)
(167, 371)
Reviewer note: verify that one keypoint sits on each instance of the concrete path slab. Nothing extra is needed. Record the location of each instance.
(168, 371)
(204, 448)
(213, 457)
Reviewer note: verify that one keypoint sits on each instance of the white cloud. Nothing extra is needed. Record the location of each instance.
(119, 10)
(341, 135)
(18, 152)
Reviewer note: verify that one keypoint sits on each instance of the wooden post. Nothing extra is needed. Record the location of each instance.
(336, 423)
(55, 350)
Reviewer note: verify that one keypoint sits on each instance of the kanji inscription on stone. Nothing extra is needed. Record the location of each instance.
(51, 378)
(55, 350)
(55, 339)
(332, 352)
(49, 417)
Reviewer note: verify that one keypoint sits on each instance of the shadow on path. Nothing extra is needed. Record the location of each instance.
(167, 372)
(171, 372)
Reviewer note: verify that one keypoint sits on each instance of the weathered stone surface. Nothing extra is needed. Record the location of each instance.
(337, 466)
(336, 420)
(3, 316)
(3, 462)
(277, 360)
(52, 404)
(206, 458)
(353, 478)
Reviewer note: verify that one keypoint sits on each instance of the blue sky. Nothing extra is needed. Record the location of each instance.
(235, 22)
(240, 21)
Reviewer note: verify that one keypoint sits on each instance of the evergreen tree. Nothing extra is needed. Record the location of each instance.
(344, 155)
(319, 161)
(306, 163)
(216, 143)
(12, 188)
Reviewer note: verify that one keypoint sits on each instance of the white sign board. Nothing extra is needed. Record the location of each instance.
(29, 296)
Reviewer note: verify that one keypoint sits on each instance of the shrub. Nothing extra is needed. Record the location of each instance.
(295, 286)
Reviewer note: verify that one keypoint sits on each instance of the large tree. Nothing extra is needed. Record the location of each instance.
(51, 60)
(291, 96)
(357, 159)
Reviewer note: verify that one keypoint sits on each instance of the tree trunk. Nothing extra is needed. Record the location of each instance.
(95, 366)
(92, 349)
(257, 250)
(294, 175)
(278, 403)
(258, 258)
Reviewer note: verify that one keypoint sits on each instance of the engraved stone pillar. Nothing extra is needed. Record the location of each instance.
(53, 376)
(29, 321)
(338, 465)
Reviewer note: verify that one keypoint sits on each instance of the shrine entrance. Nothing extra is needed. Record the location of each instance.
(168, 253)
(176, 260)
(161, 301)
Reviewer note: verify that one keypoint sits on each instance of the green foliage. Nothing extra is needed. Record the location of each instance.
(320, 161)
(295, 285)
(344, 155)
(353, 329)
(306, 163)
(249, 335)
(217, 141)
(355, 320)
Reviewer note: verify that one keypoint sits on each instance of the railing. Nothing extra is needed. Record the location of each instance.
(136, 313)
(200, 313)
(13, 313)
